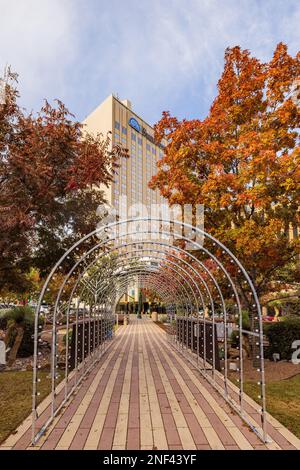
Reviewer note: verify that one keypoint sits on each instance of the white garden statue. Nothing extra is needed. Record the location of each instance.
(3, 352)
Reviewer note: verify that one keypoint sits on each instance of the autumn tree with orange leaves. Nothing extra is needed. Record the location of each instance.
(50, 174)
(243, 162)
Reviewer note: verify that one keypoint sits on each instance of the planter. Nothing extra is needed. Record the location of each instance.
(154, 316)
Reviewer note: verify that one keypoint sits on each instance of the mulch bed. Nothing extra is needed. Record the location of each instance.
(274, 371)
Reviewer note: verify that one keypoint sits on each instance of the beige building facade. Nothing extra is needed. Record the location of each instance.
(129, 190)
(132, 132)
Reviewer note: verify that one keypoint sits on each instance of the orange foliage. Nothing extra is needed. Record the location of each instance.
(242, 161)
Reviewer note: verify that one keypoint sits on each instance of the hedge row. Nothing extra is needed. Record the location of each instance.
(281, 336)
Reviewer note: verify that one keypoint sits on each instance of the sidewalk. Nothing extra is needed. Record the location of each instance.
(145, 395)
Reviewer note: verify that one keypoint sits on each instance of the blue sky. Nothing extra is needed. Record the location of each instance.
(160, 54)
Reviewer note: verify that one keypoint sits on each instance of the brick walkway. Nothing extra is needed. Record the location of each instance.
(144, 395)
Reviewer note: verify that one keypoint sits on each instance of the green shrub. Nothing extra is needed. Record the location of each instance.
(69, 339)
(163, 318)
(281, 336)
(23, 315)
(245, 320)
(234, 339)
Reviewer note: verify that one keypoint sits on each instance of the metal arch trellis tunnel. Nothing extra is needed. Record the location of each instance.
(203, 288)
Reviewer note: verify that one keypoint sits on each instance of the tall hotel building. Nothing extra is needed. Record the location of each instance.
(132, 178)
(132, 132)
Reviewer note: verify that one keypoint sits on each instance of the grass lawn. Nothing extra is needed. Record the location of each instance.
(283, 401)
(16, 398)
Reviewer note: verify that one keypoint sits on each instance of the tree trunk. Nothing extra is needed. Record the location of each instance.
(246, 345)
(15, 348)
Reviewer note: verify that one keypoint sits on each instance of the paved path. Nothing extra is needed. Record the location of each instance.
(144, 395)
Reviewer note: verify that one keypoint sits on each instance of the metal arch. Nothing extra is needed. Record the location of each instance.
(165, 294)
(76, 379)
(152, 276)
(97, 246)
(141, 271)
(181, 260)
(195, 229)
(160, 219)
(168, 254)
(156, 250)
(134, 233)
(148, 282)
(81, 277)
(163, 259)
(190, 267)
(220, 265)
(203, 304)
(169, 289)
(94, 261)
(181, 276)
(134, 272)
(169, 292)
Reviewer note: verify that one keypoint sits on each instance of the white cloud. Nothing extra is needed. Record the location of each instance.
(165, 52)
(37, 38)
(161, 54)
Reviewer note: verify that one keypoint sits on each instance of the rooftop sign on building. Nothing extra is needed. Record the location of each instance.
(142, 130)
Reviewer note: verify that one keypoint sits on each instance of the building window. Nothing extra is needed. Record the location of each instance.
(133, 136)
(117, 125)
(124, 130)
(148, 147)
(154, 150)
(140, 141)
(117, 137)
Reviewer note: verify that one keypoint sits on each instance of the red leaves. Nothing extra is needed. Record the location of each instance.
(50, 155)
(46, 162)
